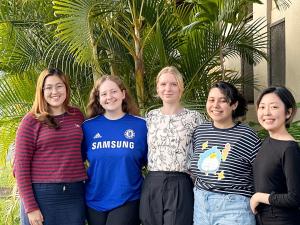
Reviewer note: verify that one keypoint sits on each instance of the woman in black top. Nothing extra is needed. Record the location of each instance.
(277, 164)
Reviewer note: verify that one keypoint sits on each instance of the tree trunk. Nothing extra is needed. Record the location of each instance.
(96, 69)
(139, 66)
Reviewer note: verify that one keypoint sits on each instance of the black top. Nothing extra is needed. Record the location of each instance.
(277, 171)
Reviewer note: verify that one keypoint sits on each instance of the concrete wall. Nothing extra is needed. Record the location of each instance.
(292, 37)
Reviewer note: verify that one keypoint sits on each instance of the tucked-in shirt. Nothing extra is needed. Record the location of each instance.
(48, 155)
(277, 171)
(116, 151)
(222, 159)
(170, 139)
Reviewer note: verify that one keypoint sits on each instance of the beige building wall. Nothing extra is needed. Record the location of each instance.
(291, 16)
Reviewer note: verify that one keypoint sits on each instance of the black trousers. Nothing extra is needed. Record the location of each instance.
(270, 215)
(167, 199)
(127, 214)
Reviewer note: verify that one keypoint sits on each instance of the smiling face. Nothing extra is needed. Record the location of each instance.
(111, 97)
(272, 114)
(55, 94)
(219, 109)
(168, 89)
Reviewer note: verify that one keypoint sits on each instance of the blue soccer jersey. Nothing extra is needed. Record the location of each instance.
(116, 151)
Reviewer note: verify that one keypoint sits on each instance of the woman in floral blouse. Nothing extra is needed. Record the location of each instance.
(167, 195)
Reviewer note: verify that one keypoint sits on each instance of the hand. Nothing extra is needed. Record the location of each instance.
(257, 198)
(35, 217)
(254, 203)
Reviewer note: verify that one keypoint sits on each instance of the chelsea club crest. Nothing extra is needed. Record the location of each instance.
(129, 134)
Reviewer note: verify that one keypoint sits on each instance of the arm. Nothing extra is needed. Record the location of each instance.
(258, 197)
(83, 145)
(199, 119)
(25, 146)
(291, 168)
(193, 149)
(145, 158)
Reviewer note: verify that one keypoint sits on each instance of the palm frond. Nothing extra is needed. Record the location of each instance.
(16, 97)
(77, 25)
(282, 4)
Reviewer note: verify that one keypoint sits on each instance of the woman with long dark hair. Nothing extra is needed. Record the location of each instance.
(48, 164)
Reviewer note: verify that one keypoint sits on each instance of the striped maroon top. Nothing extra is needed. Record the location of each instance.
(48, 155)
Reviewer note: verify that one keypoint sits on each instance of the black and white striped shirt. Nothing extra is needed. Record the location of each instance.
(222, 158)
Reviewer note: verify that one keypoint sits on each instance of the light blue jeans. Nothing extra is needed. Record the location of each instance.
(212, 208)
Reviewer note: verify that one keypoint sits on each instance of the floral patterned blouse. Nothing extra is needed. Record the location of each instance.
(170, 139)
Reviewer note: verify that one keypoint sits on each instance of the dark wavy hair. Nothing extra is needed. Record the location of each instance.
(285, 96)
(233, 95)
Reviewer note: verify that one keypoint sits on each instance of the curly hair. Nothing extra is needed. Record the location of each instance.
(233, 95)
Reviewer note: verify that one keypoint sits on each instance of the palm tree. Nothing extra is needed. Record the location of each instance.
(135, 38)
(130, 38)
(27, 46)
(114, 36)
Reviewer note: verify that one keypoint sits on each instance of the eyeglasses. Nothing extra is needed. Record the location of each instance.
(58, 88)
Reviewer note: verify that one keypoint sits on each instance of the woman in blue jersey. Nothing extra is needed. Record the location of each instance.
(115, 146)
(222, 161)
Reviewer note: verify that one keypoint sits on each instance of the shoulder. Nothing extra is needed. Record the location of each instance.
(154, 112)
(191, 112)
(136, 122)
(75, 113)
(29, 123)
(74, 110)
(91, 120)
(248, 134)
(30, 119)
(289, 151)
(29, 116)
(134, 118)
(292, 147)
(195, 114)
(133, 121)
(206, 125)
(153, 115)
(246, 129)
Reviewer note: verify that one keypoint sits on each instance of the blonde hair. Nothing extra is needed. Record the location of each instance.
(40, 107)
(94, 107)
(178, 76)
